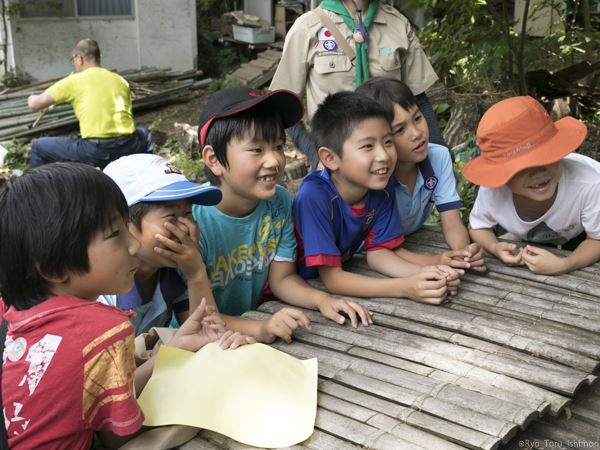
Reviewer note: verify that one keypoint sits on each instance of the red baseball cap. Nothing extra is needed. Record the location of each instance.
(231, 101)
(516, 134)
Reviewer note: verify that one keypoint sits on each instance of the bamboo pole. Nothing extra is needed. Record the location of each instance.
(443, 363)
(431, 425)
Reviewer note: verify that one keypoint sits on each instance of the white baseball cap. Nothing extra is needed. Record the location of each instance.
(144, 177)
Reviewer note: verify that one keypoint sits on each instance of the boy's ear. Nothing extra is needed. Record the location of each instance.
(210, 160)
(329, 158)
(54, 279)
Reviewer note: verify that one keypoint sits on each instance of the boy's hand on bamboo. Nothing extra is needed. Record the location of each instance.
(282, 325)
(541, 261)
(476, 257)
(182, 248)
(508, 253)
(427, 286)
(335, 309)
(452, 276)
(457, 259)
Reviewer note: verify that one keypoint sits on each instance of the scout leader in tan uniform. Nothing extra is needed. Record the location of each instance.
(355, 40)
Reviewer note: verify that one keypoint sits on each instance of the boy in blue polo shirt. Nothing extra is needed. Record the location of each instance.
(352, 200)
(423, 175)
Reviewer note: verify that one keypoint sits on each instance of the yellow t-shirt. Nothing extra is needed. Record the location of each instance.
(101, 100)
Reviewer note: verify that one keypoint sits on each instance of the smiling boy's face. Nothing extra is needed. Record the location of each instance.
(255, 166)
(369, 156)
(538, 183)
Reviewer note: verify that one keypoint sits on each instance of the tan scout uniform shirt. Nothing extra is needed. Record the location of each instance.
(394, 51)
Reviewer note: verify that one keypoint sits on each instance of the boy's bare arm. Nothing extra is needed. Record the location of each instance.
(454, 230)
(392, 264)
(452, 258)
(288, 286)
(457, 237)
(281, 325)
(424, 287)
(506, 252)
(541, 261)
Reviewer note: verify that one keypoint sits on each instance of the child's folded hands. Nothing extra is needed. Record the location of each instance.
(427, 286)
(541, 261)
(509, 253)
(470, 257)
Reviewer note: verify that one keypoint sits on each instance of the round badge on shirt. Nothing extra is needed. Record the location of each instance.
(15, 349)
(327, 40)
(431, 183)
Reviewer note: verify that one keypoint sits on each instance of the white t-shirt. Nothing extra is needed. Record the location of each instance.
(576, 208)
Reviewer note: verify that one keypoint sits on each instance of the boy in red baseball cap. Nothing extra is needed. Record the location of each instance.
(534, 187)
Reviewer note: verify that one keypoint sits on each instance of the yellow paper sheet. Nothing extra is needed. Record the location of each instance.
(255, 394)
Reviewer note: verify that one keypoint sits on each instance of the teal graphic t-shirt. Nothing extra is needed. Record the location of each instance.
(238, 251)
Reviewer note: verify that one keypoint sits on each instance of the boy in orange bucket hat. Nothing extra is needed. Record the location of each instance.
(534, 187)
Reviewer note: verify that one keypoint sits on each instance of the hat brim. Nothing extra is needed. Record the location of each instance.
(287, 104)
(570, 135)
(197, 194)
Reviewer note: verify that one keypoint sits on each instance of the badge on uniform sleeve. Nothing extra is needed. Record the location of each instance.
(431, 183)
(15, 349)
(327, 40)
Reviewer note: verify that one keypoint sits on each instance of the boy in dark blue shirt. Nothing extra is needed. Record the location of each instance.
(352, 200)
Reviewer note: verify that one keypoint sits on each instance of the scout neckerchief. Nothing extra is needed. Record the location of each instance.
(359, 30)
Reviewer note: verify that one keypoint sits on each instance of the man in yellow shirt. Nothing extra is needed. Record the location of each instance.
(102, 103)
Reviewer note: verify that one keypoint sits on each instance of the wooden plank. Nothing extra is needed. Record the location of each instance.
(246, 73)
(262, 63)
(271, 54)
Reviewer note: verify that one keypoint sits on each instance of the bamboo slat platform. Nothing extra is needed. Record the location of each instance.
(498, 366)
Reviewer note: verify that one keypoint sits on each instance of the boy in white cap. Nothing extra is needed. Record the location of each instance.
(534, 187)
(160, 200)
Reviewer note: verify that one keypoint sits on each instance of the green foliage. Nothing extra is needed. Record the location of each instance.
(474, 45)
(191, 165)
(462, 43)
(17, 156)
(442, 112)
(466, 190)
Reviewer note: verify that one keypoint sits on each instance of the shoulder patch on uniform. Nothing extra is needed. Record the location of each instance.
(430, 183)
(324, 34)
(327, 40)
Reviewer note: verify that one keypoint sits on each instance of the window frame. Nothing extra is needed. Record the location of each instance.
(76, 15)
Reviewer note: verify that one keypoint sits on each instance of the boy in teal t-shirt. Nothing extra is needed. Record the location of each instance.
(247, 241)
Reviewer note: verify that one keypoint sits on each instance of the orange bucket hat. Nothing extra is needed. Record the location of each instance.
(516, 134)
